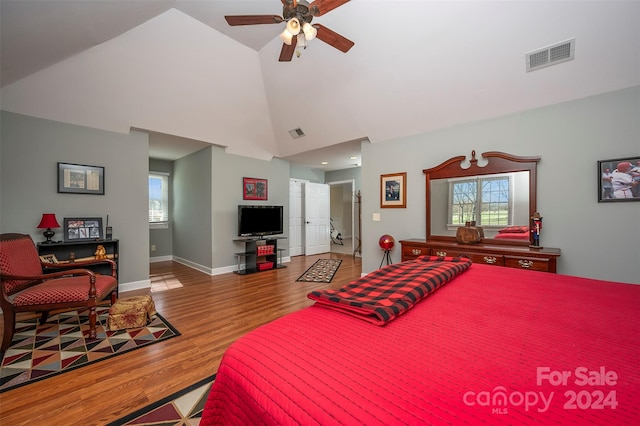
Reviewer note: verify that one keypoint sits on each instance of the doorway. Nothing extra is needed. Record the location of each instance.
(343, 221)
(309, 223)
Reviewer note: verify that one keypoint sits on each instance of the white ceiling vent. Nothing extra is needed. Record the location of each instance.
(551, 55)
(296, 133)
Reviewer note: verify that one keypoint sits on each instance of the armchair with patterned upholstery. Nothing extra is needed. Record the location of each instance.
(26, 288)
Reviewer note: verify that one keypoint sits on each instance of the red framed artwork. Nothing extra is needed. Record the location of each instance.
(254, 189)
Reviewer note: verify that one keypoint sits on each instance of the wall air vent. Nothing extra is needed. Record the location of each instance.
(551, 55)
(296, 133)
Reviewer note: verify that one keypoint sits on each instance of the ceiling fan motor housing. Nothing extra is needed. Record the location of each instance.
(300, 11)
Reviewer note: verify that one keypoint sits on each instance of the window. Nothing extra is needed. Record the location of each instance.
(158, 198)
(487, 200)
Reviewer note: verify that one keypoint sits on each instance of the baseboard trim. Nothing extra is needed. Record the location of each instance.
(135, 285)
(160, 259)
(193, 265)
(214, 271)
(205, 269)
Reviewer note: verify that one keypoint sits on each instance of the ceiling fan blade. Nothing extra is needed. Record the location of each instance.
(320, 7)
(294, 3)
(287, 50)
(333, 38)
(234, 20)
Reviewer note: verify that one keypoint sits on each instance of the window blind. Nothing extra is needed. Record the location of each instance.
(158, 197)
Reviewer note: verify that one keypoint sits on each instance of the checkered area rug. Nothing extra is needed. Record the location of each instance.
(181, 408)
(321, 272)
(41, 351)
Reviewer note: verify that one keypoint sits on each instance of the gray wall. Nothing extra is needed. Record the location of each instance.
(227, 174)
(307, 173)
(207, 189)
(29, 151)
(192, 222)
(345, 174)
(162, 238)
(598, 240)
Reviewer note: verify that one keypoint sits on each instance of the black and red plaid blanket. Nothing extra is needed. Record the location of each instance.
(386, 293)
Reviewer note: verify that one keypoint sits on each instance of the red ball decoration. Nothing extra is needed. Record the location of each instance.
(386, 242)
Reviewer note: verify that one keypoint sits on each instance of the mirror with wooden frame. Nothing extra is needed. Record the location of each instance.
(496, 191)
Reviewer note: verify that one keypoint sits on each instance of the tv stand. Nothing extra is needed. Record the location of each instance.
(260, 254)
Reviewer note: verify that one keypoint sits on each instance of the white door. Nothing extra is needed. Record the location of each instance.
(296, 217)
(317, 229)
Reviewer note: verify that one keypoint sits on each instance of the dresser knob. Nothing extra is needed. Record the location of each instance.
(416, 252)
(525, 263)
(490, 260)
(441, 253)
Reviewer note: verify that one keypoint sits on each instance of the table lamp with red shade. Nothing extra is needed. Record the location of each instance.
(48, 221)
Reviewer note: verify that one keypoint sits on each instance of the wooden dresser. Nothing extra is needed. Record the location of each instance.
(521, 257)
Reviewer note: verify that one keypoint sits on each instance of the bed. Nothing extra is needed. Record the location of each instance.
(489, 345)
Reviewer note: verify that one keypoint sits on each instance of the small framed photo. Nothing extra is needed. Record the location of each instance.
(80, 179)
(254, 189)
(48, 258)
(619, 179)
(393, 190)
(82, 229)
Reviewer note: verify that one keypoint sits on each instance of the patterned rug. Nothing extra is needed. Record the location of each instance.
(321, 272)
(182, 408)
(60, 345)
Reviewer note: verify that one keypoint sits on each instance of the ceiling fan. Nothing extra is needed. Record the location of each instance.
(298, 14)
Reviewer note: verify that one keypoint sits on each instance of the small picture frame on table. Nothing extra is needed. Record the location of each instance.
(83, 229)
(49, 258)
(619, 179)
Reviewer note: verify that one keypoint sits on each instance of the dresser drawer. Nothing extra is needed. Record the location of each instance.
(521, 257)
(532, 263)
(476, 257)
(410, 252)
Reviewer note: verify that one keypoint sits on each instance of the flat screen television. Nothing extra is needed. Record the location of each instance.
(257, 221)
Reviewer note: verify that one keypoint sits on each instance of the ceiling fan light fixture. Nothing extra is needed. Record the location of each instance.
(293, 26)
(286, 37)
(309, 31)
(302, 42)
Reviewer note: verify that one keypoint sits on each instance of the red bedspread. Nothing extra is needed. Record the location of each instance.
(493, 346)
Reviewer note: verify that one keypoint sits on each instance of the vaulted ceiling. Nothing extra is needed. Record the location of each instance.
(417, 66)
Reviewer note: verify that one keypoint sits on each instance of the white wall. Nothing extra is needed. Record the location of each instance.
(172, 74)
(598, 240)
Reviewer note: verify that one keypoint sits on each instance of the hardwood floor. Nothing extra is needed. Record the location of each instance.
(210, 312)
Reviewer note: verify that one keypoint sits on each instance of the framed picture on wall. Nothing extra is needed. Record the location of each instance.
(80, 179)
(393, 190)
(254, 189)
(619, 179)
